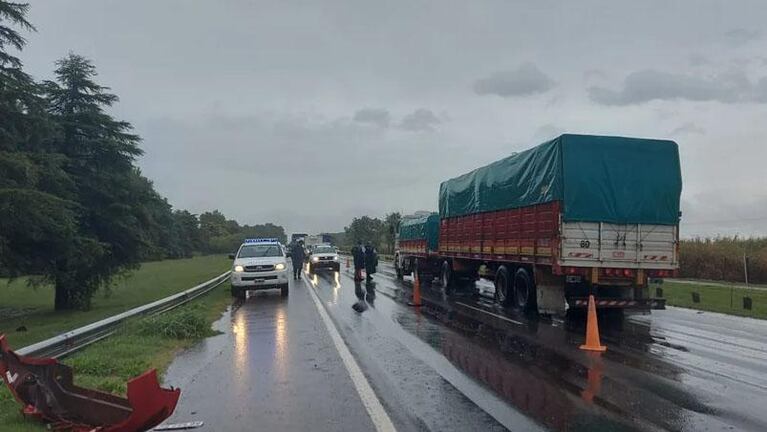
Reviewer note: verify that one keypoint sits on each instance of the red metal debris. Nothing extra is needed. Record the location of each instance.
(44, 387)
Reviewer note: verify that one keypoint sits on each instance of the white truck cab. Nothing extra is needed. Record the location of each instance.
(259, 264)
(324, 257)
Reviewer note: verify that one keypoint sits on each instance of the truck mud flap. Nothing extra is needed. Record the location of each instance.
(608, 303)
(44, 388)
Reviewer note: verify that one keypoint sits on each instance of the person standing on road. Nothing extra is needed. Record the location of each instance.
(371, 260)
(297, 255)
(358, 254)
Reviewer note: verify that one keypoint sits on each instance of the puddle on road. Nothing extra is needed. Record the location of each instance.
(534, 365)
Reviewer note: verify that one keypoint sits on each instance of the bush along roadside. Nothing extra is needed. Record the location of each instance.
(145, 343)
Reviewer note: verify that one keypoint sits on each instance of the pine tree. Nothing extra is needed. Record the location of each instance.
(22, 110)
(117, 207)
(37, 219)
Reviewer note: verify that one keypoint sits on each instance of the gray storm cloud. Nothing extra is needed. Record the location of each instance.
(420, 120)
(740, 36)
(648, 85)
(699, 60)
(687, 129)
(376, 116)
(523, 81)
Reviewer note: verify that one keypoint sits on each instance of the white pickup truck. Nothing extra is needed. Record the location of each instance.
(259, 264)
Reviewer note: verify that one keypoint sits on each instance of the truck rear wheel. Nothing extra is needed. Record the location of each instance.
(524, 290)
(446, 279)
(503, 286)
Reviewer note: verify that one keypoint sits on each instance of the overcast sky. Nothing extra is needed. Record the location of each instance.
(309, 113)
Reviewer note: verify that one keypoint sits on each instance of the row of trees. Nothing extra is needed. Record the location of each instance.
(220, 235)
(380, 232)
(74, 209)
(724, 258)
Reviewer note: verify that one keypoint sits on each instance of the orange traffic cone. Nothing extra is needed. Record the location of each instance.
(416, 291)
(592, 329)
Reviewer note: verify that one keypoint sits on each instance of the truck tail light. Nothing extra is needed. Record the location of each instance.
(611, 272)
(581, 271)
(662, 273)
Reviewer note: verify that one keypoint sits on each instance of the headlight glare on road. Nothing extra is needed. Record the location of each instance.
(238, 269)
(280, 266)
(315, 259)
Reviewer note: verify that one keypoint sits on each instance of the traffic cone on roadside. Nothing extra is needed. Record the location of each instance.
(592, 329)
(416, 291)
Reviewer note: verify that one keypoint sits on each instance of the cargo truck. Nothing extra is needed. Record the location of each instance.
(574, 216)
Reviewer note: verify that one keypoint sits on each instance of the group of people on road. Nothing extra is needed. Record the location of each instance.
(365, 258)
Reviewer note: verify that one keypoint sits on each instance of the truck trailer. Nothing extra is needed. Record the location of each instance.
(574, 216)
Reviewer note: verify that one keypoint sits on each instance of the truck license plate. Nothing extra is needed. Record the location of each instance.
(257, 280)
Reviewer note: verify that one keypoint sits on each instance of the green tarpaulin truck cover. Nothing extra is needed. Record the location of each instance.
(419, 228)
(596, 178)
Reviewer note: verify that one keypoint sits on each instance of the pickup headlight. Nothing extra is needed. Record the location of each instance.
(315, 259)
(238, 269)
(335, 258)
(279, 266)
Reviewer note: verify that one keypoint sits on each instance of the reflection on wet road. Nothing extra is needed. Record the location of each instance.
(673, 370)
(465, 364)
(272, 368)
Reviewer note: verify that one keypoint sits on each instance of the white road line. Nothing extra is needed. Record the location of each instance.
(375, 410)
(490, 313)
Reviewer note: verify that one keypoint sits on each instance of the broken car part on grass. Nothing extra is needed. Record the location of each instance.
(45, 389)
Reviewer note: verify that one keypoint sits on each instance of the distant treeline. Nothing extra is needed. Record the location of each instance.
(216, 234)
(721, 258)
(379, 232)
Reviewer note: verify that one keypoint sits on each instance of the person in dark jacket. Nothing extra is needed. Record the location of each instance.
(358, 253)
(371, 260)
(297, 255)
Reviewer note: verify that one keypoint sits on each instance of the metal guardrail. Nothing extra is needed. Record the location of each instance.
(74, 340)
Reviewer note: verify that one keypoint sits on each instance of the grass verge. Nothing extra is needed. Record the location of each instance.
(728, 300)
(31, 309)
(142, 344)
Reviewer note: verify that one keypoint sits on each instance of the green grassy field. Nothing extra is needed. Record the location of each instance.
(32, 309)
(716, 298)
(140, 344)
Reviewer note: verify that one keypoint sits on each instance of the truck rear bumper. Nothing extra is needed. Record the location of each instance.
(609, 303)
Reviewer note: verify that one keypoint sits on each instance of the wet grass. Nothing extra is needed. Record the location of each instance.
(139, 345)
(728, 300)
(27, 315)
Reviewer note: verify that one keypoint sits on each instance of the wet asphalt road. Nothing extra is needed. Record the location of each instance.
(273, 368)
(464, 364)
